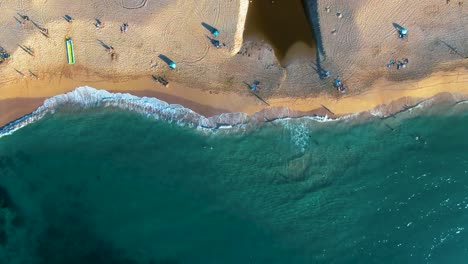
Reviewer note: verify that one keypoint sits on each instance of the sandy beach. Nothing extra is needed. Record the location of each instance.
(356, 46)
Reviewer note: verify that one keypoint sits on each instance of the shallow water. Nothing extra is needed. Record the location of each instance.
(284, 25)
(103, 186)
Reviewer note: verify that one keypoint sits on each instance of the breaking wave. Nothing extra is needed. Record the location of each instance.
(88, 97)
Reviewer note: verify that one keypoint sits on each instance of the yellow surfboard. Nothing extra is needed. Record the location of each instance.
(70, 51)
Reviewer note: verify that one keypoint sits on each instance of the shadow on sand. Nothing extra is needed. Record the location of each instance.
(323, 74)
(166, 59)
(107, 47)
(311, 9)
(209, 27)
(398, 27)
(255, 93)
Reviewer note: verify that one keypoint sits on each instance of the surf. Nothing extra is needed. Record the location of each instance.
(88, 97)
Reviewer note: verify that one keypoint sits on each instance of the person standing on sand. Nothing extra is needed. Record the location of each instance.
(124, 28)
(99, 24)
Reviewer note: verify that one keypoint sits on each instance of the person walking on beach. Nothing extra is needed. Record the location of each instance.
(124, 28)
(99, 24)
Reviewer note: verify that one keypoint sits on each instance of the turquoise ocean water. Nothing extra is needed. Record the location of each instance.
(107, 186)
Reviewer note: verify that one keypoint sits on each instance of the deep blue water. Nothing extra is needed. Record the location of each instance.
(101, 186)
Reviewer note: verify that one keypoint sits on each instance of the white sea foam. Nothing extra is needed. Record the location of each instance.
(300, 136)
(422, 104)
(377, 112)
(87, 97)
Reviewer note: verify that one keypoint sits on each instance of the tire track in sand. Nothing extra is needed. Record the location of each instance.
(207, 45)
(138, 6)
(178, 23)
(43, 12)
(21, 7)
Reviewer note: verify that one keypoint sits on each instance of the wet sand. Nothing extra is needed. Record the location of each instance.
(391, 99)
(12, 109)
(32, 92)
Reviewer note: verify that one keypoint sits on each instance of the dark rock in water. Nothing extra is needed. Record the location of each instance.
(6, 215)
(76, 245)
(3, 235)
(297, 168)
(5, 200)
(5, 161)
(164, 261)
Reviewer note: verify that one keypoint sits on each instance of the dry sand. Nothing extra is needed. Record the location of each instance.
(210, 80)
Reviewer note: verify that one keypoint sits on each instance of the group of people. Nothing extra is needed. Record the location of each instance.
(339, 85)
(399, 65)
(255, 86)
(216, 42)
(25, 19)
(4, 55)
(99, 24)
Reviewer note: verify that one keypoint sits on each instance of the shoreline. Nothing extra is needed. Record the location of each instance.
(88, 97)
(195, 107)
(393, 98)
